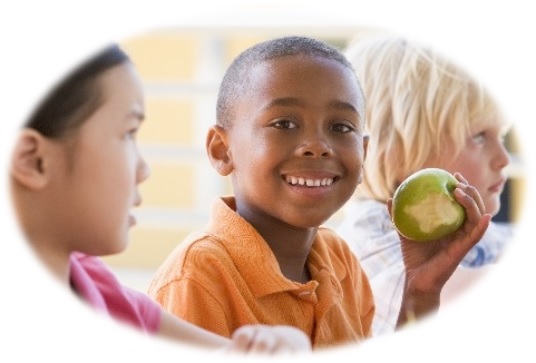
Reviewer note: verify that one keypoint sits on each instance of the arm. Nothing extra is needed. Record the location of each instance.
(177, 329)
(430, 265)
(259, 339)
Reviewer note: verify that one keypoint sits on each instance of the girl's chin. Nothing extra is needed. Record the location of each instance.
(131, 220)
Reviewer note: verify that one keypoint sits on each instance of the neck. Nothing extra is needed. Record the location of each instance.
(290, 245)
(56, 260)
(39, 232)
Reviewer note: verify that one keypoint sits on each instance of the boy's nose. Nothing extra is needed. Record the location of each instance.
(315, 146)
(502, 157)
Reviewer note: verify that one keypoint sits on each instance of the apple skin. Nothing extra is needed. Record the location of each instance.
(424, 208)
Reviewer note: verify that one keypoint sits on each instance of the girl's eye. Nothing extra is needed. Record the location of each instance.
(132, 133)
(284, 124)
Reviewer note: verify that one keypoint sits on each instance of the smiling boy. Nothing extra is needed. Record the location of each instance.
(290, 135)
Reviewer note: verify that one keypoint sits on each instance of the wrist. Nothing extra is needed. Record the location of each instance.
(417, 305)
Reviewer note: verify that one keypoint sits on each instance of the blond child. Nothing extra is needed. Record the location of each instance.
(74, 178)
(289, 133)
(422, 111)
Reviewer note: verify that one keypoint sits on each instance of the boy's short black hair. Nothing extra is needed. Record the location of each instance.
(237, 76)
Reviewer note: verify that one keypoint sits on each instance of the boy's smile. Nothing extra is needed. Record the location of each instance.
(296, 144)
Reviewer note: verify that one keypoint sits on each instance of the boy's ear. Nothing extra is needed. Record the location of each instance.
(27, 164)
(218, 150)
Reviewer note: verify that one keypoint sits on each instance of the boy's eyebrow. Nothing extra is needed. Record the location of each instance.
(293, 101)
(285, 101)
(342, 105)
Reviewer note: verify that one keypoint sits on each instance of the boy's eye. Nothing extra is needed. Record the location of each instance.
(479, 138)
(284, 124)
(342, 128)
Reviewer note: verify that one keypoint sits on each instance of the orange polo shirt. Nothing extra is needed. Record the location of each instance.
(228, 277)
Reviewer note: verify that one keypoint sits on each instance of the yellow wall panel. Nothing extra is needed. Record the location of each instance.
(236, 45)
(169, 186)
(148, 248)
(164, 56)
(169, 121)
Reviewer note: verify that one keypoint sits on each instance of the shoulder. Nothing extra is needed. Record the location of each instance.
(89, 274)
(335, 245)
(197, 243)
(365, 215)
(99, 287)
(86, 269)
(367, 227)
(190, 259)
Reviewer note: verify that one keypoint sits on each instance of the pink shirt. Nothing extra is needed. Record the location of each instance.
(97, 285)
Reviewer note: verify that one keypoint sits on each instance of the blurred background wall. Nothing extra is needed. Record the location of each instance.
(181, 70)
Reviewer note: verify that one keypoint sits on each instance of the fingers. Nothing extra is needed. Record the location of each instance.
(268, 340)
(469, 190)
(241, 339)
(263, 342)
(477, 220)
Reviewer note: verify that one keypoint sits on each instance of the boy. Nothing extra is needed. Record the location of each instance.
(289, 132)
(420, 102)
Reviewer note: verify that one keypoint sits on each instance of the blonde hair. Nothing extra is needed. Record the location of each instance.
(417, 102)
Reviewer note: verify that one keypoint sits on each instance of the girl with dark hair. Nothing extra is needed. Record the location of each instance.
(75, 173)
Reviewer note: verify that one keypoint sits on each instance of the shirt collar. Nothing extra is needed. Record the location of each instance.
(256, 262)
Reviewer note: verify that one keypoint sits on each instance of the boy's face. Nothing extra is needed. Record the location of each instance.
(483, 162)
(296, 144)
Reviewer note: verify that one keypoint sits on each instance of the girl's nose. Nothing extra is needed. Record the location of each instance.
(143, 171)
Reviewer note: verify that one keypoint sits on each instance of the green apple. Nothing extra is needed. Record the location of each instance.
(424, 207)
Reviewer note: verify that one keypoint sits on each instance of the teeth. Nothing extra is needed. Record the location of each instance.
(309, 182)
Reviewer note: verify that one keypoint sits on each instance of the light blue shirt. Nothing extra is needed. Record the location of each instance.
(368, 230)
